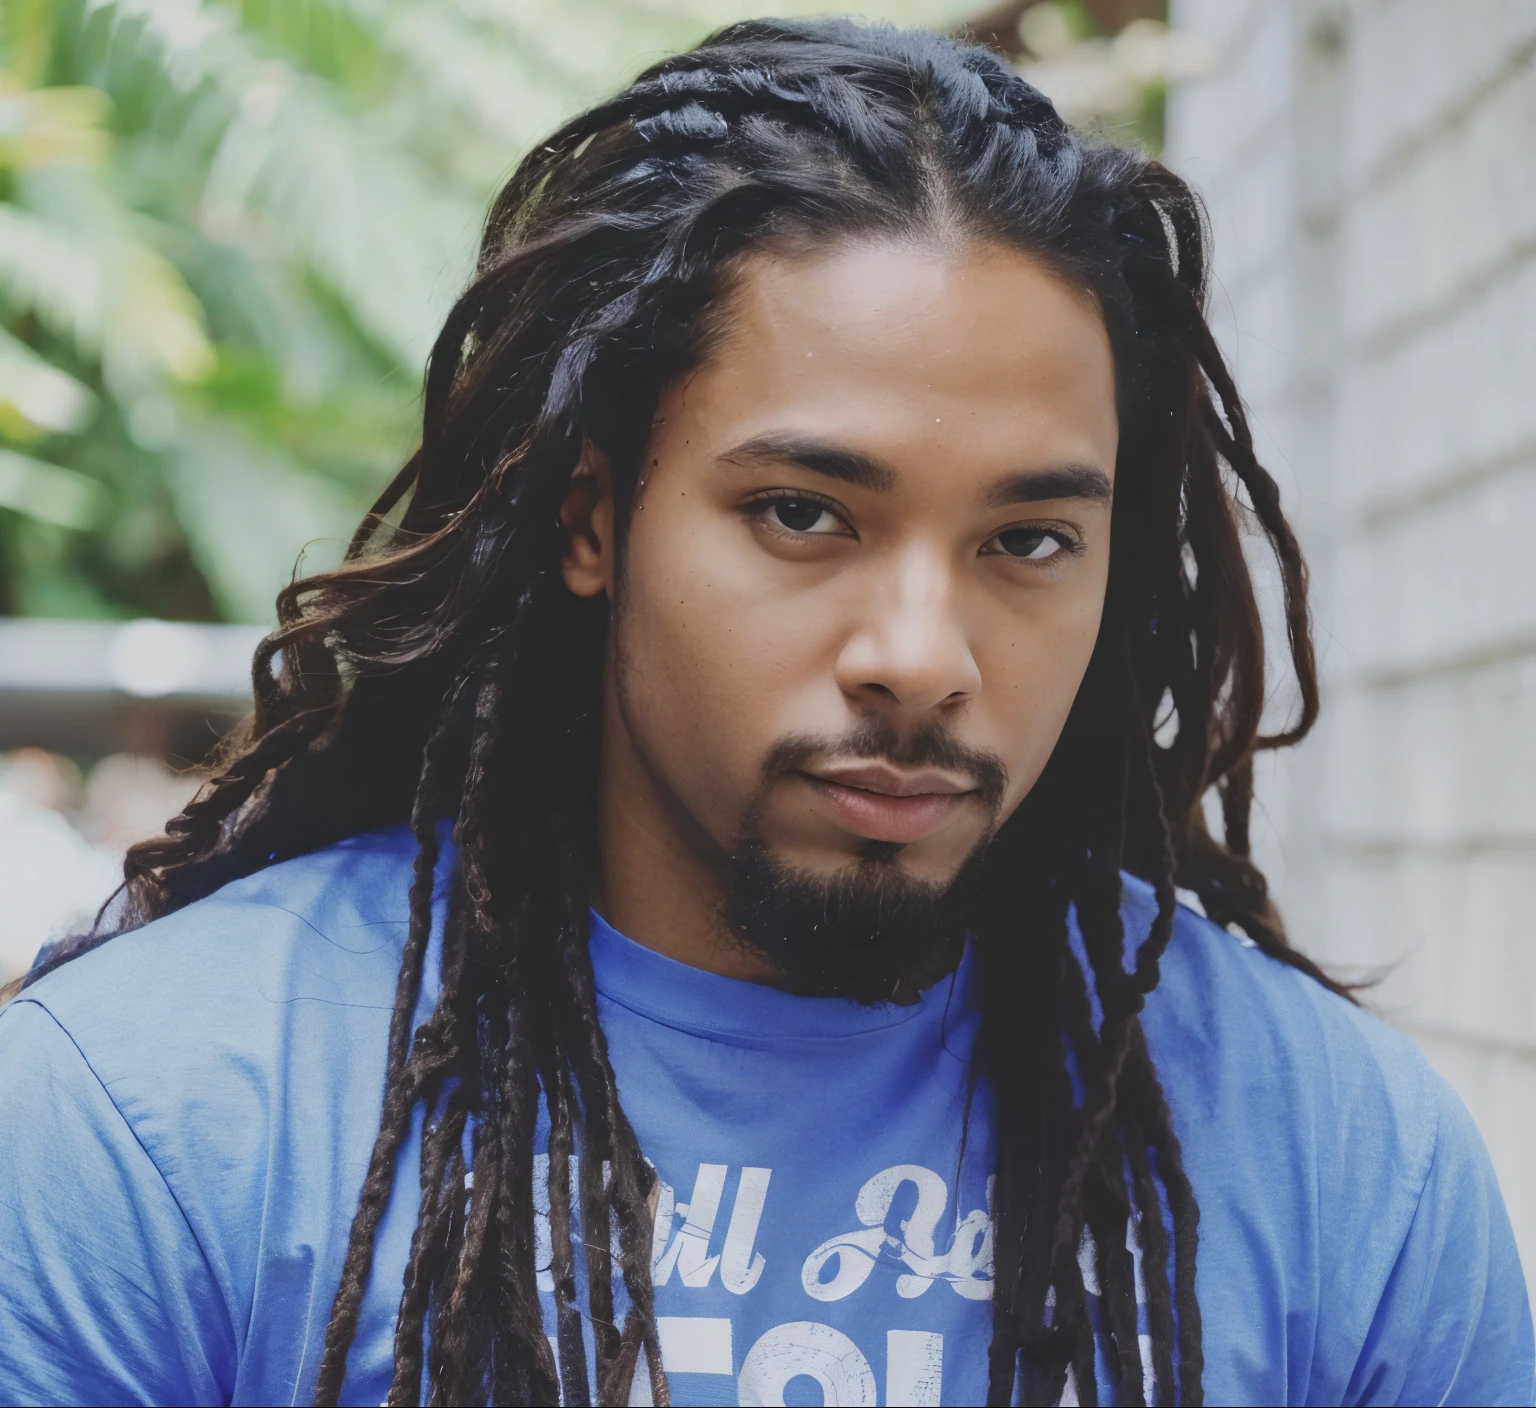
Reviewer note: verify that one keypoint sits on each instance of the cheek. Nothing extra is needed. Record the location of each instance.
(710, 654)
(1034, 671)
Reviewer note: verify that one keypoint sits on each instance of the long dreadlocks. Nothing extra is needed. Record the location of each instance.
(443, 670)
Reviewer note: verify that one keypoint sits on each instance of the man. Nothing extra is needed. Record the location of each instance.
(671, 928)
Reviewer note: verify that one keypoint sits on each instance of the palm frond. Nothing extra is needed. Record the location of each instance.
(63, 126)
(37, 397)
(46, 491)
(291, 165)
(55, 274)
(71, 258)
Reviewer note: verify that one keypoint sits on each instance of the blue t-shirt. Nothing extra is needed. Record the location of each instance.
(186, 1114)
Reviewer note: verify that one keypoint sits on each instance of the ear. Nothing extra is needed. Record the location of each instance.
(587, 519)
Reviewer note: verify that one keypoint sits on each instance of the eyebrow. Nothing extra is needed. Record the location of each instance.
(1068, 481)
(818, 456)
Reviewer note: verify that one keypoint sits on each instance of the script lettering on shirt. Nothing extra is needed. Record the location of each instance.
(711, 1238)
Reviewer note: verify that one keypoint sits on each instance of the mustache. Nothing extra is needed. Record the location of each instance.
(874, 737)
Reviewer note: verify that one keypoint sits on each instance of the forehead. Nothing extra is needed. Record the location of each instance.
(964, 355)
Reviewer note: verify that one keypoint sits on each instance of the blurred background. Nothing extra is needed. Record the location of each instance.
(229, 230)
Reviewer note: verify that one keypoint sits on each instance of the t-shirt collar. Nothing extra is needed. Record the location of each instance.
(691, 999)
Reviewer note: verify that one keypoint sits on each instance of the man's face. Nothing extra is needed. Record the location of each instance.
(875, 520)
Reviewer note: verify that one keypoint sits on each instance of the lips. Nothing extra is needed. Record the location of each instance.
(891, 781)
(882, 803)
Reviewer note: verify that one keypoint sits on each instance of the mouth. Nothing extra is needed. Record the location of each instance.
(884, 803)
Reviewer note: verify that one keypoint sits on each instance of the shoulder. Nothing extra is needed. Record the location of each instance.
(264, 1006)
(213, 1080)
(327, 925)
(1333, 1168)
(1235, 1029)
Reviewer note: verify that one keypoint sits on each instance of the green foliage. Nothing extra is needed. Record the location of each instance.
(228, 232)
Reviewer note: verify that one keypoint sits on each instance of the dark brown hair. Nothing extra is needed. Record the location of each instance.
(444, 670)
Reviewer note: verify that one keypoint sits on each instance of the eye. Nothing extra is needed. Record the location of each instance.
(1032, 544)
(802, 515)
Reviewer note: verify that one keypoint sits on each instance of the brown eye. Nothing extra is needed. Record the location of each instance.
(1033, 544)
(803, 516)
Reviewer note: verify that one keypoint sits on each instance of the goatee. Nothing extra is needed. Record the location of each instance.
(869, 931)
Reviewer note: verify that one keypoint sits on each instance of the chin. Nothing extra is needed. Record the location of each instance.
(936, 862)
(858, 927)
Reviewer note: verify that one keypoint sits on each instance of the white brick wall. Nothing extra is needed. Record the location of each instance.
(1371, 171)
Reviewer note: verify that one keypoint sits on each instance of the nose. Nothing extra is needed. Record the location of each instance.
(909, 647)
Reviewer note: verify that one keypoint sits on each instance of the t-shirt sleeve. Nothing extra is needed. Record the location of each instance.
(105, 1295)
(1454, 1323)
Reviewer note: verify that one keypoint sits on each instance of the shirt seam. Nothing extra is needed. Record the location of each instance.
(735, 1036)
(150, 1158)
(1426, 1290)
(1426, 1087)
